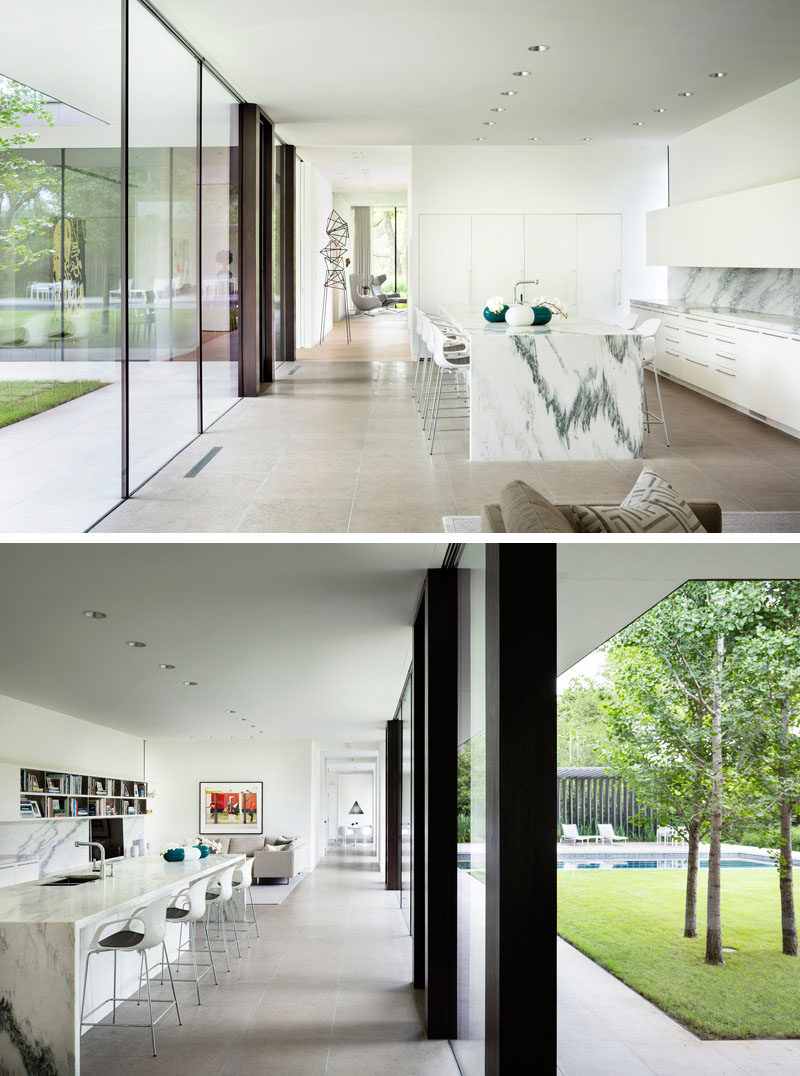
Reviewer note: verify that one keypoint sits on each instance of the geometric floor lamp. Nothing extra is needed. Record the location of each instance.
(333, 252)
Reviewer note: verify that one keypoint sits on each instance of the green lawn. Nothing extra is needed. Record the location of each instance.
(21, 399)
(631, 922)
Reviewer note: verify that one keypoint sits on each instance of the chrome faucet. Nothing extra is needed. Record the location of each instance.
(522, 294)
(102, 861)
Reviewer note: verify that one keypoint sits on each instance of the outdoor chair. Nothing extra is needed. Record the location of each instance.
(570, 835)
(606, 833)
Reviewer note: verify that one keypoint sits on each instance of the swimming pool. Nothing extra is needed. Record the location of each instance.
(653, 862)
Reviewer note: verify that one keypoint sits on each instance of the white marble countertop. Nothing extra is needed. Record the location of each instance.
(151, 876)
(723, 313)
(17, 861)
(471, 320)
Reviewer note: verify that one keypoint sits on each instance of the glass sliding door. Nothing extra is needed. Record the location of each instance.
(163, 270)
(406, 805)
(60, 403)
(277, 253)
(471, 812)
(220, 248)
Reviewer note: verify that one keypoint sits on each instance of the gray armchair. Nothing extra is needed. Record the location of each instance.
(361, 301)
(387, 298)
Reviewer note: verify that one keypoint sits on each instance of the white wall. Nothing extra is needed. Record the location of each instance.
(316, 202)
(176, 768)
(355, 787)
(752, 146)
(345, 210)
(546, 179)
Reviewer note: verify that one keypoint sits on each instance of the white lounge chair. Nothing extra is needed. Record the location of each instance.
(570, 835)
(606, 833)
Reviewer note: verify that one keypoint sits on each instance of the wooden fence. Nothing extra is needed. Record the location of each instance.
(588, 795)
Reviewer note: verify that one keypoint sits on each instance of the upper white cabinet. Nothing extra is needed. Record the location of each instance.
(498, 255)
(756, 228)
(445, 259)
(551, 256)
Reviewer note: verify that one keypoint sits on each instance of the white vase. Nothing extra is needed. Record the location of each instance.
(518, 315)
(191, 853)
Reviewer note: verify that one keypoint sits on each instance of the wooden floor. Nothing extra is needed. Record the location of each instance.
(381, 337)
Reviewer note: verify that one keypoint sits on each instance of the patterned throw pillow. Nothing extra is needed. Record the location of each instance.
(651, 507)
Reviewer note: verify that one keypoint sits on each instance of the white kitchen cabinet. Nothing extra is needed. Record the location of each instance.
(444, 259)
(599, 266)
(8, 875)
(780, 378)
(659, 237)
(498, 255)
(551, 256)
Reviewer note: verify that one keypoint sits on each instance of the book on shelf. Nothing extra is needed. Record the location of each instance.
(30, 782)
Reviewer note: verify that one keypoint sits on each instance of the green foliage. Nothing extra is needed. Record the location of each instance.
(471, 785)
(765, 837)
(21, 399)
(626, 921)
(581, 724)
(462, 828)
(21, 178)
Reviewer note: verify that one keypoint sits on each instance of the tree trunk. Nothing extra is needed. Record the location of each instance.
(713, 909)
(785, 880)
(690, 915)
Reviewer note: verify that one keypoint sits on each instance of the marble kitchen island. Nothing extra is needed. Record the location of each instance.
(568, 390)
(43, 934)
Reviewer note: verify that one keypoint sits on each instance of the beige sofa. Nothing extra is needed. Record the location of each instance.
(272, 857)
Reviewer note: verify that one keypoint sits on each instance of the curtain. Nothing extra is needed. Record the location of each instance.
(362, 236)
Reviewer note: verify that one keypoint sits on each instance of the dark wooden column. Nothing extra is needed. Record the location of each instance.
(418, 800)
(255, 248)
(394, 792)
(441, 739)
(521, 813)
(288, 234)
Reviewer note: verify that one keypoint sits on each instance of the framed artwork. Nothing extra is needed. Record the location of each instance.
(231, 807)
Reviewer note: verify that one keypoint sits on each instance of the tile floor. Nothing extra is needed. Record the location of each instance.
(337, 447)
(607, 1029)
(324, 992)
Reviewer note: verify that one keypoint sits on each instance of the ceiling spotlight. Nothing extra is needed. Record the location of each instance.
(232, 712)
(538, 48)
(134, 642)
(586, 140)
(659, 110)
(94, 614)
(686, 93)
(490, 123)
(166, 666)
(536, 139)
(638, 123)
(521, 74)
(718, 74)
(499, 108)
(190, 683)
(508, 93)
(478, 139)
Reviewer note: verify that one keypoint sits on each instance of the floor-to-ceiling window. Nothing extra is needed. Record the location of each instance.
(471, 812)
(388, 247)
(406, 806)
(70, 445)
(277, 249)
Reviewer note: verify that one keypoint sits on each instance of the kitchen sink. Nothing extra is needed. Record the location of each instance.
(74, 879)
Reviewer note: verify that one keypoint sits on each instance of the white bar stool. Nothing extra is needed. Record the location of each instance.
(153, 920)
(450, 357)
(242, 881)
(648, 330)
(189, 907)
(220, 891)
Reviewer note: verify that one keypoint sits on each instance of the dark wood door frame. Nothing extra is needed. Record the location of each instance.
(288, 258)
(521, 810)
(418, 944)
(257, 198)
(394, 795)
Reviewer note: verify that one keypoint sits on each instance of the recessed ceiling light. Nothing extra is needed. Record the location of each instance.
(166, 666)
(478, 139)
(536, 139)
(134, 642)
(586, 140)
(508, 93)
(638, 123)
(538, 48)
(490, 123)
(94, 614)
(521, 74)
(686, 93)
(232, 712)
(659, 110)
(499, 108)
(718, 74)
(190, 683)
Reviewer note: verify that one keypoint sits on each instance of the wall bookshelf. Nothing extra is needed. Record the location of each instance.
(55, 794)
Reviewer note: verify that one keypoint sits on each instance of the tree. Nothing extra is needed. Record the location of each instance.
(581, 724)
(22, 179)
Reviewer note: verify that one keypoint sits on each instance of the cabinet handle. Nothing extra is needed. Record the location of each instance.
(694, 332)
(696, 363)
(700, 321)
(672, 339)
(778, 336)
(725, 340)
(722, 355)
(728, 373)
(746, 329)
(726, 325)
(674, 354)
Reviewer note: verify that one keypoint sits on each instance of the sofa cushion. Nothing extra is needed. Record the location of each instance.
(248, 845)
(278, 847)
(651, 507)
(526, 511)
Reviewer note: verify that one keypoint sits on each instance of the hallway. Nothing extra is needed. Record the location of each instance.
(324, 992)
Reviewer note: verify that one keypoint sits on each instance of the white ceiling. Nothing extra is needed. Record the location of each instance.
(361, 168)
(604, 586)
(428, 72)
(303, 640)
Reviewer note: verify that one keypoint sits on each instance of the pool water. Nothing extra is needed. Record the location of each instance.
(660, 863)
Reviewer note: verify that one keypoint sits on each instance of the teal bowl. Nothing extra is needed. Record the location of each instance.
(174, 855)
(491, 316)
(541, 314)
(204, 850)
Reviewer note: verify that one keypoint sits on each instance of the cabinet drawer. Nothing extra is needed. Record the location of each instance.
(697, 344)
(697, 372)
(723, 382)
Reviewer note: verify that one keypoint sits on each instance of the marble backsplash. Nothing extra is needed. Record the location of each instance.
(767, 291)
(52, 842)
